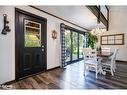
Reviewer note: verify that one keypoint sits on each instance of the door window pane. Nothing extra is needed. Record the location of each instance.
(81, 40)
(32, 32)
(75, 45)
(68, 45)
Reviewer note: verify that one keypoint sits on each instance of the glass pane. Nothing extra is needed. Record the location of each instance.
(110, 41)
(118, 41)
(119, 37)
(68, 45)
(104, 38)
(104, 42)
(81, 40)
(85, 42)
(110, 37)
(75, 46)
(32, 31)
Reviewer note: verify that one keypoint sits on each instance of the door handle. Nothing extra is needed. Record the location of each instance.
(42, 49)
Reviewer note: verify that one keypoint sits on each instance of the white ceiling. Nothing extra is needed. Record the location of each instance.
(79, 15)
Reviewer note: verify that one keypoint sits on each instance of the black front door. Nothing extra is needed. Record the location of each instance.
(30, 44)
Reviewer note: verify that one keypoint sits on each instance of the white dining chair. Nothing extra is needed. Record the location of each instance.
(91, 61)
(115, 52)
(103, 49)
(109, 65)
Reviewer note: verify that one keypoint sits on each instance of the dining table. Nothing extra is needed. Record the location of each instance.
(104, 54)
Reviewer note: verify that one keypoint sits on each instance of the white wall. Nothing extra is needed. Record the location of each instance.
(7, 42)
(7, 47)
(117, 25)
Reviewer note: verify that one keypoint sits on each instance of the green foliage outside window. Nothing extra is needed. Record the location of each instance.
(81, 40)
(31, 41)
(74, 43)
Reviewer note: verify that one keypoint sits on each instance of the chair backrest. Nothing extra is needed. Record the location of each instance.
(89, 54)
(86, 51)
(93, 53)
(113, 58)
(105, 49)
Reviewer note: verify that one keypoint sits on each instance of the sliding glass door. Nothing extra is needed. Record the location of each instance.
(74, 46)
(68, 45)
(81, 44)
(74, 42)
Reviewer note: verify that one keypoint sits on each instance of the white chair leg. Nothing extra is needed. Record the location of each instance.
(96, 72)
(96, 75)
(84, 70)
(115, 66)
(112, 72)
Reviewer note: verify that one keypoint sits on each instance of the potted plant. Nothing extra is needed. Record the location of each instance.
(92, 39)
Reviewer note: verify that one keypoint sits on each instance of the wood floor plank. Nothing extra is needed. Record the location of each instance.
(72, 77)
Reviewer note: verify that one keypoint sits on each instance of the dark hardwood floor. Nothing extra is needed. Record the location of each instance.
(72, 78)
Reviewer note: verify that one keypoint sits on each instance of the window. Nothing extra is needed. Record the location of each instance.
(114, 39)
(32, 34)
(68, 45)
(74, 43)
(81, 43)
(75, 46)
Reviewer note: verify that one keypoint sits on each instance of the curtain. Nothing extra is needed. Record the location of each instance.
(63, 47)
(63, 44)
